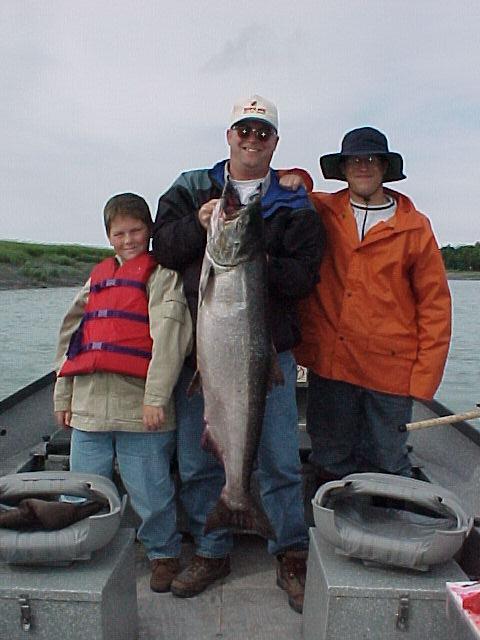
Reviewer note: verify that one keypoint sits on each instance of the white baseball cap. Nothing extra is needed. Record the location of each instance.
(255, 108)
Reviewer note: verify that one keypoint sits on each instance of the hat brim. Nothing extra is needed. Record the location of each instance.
(330, 165)
(258, 118)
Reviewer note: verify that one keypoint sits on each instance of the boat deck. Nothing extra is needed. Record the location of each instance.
(246, 604)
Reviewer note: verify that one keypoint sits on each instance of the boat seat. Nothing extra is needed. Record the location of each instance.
(59, 546)
(391, 520)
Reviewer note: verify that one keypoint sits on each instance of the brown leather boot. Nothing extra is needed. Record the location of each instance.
(163, 572)
(291, 574)
(198, 575)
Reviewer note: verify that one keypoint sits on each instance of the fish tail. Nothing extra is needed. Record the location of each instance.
(252, 519)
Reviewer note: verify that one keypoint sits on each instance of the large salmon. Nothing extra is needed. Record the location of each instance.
(235, 354)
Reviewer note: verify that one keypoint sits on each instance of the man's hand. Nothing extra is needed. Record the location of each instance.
(205, 212)
(63, 419)
(291, 181)
(153, 417)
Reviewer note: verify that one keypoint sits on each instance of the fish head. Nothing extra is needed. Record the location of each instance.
(235, 233)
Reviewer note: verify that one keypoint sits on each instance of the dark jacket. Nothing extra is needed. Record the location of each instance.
(294, 241)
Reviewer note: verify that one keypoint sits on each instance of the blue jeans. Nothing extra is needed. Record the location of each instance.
(201, 475)
(279, 467)
(144, 463)
(354, 429)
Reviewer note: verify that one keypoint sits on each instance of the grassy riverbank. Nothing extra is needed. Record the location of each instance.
(25, 265)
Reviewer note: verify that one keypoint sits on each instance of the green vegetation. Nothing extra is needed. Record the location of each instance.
(25, 264)
(28, 264)
(463, 258)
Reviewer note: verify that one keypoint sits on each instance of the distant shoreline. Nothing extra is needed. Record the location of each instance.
(463, 275)
(25, 265)
(12, 278)
(30, 286)
(13, 284)
(28, 265)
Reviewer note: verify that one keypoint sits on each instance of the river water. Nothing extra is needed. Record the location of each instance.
(30, 318)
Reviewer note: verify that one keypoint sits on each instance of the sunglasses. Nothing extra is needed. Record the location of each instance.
(371, 161)
(261, 133)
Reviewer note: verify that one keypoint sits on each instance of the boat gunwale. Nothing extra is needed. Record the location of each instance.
(27, 391)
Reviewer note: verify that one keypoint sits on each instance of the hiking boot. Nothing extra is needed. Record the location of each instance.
(163, 572)
(291, 574)
(198, 575)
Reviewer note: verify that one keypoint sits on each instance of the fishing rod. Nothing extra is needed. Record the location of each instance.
(435, 422)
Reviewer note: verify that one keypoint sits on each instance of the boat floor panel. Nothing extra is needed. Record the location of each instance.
(245, 604)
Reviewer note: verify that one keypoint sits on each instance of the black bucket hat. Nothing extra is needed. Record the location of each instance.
(365, 141)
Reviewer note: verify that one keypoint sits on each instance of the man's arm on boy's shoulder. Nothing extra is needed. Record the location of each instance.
(295, 178)
(171, 331)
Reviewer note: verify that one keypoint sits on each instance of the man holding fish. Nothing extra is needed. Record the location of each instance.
(264, 248)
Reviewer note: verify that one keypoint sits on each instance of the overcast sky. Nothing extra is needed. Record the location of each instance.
(102, 97)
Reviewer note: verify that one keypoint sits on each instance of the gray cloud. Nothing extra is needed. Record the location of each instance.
(99, 98)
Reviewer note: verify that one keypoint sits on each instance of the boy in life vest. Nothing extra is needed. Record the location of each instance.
(121, 348)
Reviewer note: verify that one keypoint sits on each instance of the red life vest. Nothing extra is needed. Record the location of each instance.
(114, 334)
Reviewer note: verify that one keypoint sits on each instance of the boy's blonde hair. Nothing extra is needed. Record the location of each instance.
(127, 204)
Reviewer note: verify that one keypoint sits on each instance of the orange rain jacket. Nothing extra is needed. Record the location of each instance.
(380, 317)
